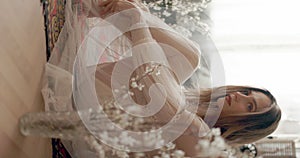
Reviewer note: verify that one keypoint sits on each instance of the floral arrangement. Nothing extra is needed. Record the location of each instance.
(182, 15)
(211, 146)
(68, 125)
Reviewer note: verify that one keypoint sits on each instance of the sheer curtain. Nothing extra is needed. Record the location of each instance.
(259, 41)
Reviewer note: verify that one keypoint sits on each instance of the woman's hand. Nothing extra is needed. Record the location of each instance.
(120, 6)
(140, 5)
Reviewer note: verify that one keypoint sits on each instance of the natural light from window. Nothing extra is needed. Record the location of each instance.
(259, 42)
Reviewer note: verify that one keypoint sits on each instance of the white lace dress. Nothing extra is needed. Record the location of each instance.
(97, 65)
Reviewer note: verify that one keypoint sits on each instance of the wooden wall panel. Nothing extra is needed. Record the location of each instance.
(22, 59)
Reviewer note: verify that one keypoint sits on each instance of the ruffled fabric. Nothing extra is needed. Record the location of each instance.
(95, 57)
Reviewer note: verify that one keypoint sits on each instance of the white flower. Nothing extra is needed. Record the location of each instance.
(160, 142)
(139, 155)
(122, 154)
(157, 73)
(134, 84)
(219, 143)
(170, 146)
(147, 69)
(154, 139)
(165, 13)
(132, 79)
(203, 144)
(216, 131)
(92, 142)
(165, 155)
(132, 109)
(131, 93)
(156, 7)
(104, 135)
(116, 90)
(178, 154)
(138, 121)
(127, 140)
(140, 87)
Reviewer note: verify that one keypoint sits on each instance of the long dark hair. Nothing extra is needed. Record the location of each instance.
(242, 128)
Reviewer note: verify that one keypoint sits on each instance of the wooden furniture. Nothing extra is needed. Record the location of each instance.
(22, 59)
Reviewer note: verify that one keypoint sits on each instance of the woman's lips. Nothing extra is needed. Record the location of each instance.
(228, 99)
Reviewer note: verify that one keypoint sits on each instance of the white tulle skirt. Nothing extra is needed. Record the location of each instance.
(94, 60)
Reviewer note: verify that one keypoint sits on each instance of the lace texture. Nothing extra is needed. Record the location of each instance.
(94, 65)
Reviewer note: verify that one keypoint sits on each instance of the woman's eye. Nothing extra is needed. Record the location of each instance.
(250, 107)
(246, 92)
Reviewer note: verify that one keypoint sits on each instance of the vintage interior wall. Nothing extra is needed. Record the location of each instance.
(22, 57)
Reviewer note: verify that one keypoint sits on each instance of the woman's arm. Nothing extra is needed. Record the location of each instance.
(147, 49)
(184, 46)
(141, 35)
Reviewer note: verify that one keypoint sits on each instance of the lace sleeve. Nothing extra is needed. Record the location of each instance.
(151, 61)
(166, 60)
(90, 8)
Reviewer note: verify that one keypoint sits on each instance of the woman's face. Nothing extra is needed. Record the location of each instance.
(239, 103)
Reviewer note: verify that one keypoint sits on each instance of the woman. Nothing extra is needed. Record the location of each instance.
(248, 114)
(148, 70)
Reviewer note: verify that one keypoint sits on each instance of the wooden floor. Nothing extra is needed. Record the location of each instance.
(22, 58)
